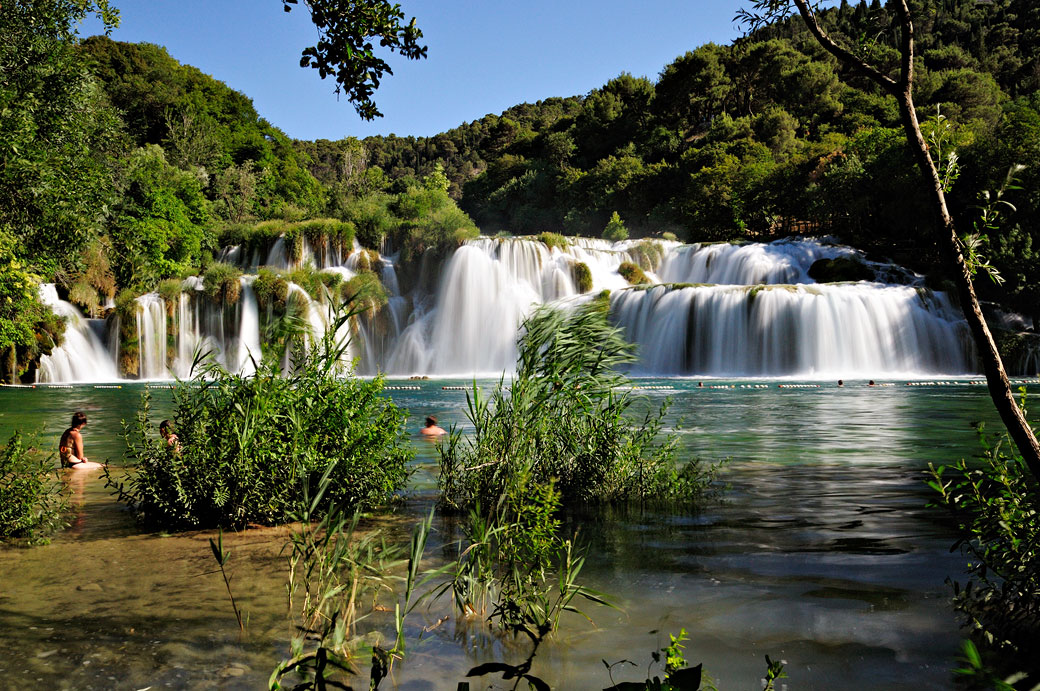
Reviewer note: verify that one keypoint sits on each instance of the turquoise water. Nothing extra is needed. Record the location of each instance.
(820, 553)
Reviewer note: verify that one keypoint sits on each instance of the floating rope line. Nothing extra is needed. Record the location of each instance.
(403, 388)
(456, 388)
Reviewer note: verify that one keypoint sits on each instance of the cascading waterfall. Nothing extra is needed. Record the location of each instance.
(716, 310)
(82, 357)
(780, 330)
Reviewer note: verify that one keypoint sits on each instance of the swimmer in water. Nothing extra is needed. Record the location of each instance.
(70, 447)
(167, 433)
(431, 429)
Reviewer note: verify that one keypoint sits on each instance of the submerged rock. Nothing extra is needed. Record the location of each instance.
(840, 270)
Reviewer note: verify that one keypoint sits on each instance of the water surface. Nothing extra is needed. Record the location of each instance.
(821, 552)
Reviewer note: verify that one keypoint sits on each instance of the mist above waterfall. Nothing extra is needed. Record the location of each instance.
(729, 310)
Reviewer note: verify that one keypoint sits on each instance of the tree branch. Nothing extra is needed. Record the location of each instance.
(853, 61)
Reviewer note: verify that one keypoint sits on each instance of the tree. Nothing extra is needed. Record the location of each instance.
(346, 30)
(54, 123)
(615, 230)
(901, 88)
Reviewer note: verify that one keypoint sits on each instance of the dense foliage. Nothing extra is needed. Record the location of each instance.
(32, 498)
(566, 420)
(995, 504)
(251, 448)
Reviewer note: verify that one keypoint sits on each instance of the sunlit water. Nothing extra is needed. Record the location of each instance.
(821, 552)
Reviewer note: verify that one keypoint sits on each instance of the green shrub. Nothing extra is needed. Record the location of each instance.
(170, 290)
(330, 279)
(308, 278)
(32, 498)
(83, 294)
(129, 348)
(234, 234)
(615, 230)
(563, 420)
(647, 254)
(997, 509)
(293, 237)
(270, 288)
(551, 240)
(365, 291)
(632, 273)
(582, 276)
(371, 218)
(669, 236)
(222, 284)
(251, 448)
(321, 231)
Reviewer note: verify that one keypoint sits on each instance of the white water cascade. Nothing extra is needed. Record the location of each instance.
(835, 331)
(81, 357)
(712, 310)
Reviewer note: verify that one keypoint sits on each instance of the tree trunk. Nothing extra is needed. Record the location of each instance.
(996, 377)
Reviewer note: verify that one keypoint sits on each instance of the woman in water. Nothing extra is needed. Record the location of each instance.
(70, 447)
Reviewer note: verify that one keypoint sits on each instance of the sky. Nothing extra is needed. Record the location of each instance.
(484, 55)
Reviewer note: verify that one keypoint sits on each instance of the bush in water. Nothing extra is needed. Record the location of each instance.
(565, 419)
(996, 506)
(32, 499)
(247, 444)
(633, 274)
(221, 283)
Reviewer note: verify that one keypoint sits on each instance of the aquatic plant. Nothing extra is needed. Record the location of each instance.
(995, 505)
(582, 277)
(247, 443)
(678, 676)
(337, 573)
(565, 419)
(633, 274)
(222, 558)
(515, 572)
(552, 240)
(647, 254)
(33, 501)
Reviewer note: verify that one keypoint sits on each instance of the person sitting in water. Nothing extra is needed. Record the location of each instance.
(431, 429)
(167, 433)
(70, 447)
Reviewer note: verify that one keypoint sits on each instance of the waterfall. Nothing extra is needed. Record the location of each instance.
(151, 336)
(248, 339)
(851, 331)
(721, 309)
(783, 262)
(82, 356)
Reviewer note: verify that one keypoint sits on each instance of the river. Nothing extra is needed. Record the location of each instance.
(820, 552)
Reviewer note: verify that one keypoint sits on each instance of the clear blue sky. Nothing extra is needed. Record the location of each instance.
(484, 55)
